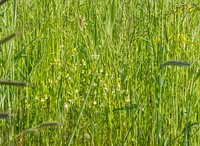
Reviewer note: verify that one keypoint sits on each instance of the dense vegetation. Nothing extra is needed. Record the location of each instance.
(99, 72)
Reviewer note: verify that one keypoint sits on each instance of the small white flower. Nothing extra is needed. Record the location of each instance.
(70, 101)
(101, 70)
(66, 105)
(95, 57)
(50, 81)
(123, 91)
(127, 100)
(61, 46)
(42, 100)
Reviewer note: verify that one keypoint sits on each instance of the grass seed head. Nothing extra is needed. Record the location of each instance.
(30, 131)
(4, 115)
(47, 124)
(176, 63)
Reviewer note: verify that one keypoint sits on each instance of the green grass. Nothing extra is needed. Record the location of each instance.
(99, 73)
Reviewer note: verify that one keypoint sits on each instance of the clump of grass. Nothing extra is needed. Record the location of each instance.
(7, 115)
(58, 55)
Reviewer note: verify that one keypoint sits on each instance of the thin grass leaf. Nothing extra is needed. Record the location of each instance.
(14, 9)
(197, 76)
(47, 124)
(13, 83)
(5, 115)
(127, 135)
(111, 20)
(175, 63)
(9, 37)
(3, 1)
(189, 126)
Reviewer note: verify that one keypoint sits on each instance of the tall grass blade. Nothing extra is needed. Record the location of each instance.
(124, 143)
(111, 19)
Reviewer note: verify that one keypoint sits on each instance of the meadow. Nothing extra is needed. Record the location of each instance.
(92, 73)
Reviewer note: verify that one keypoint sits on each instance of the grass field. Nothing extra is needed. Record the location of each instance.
(118, 73)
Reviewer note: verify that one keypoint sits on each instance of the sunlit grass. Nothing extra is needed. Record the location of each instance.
(108, 73)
